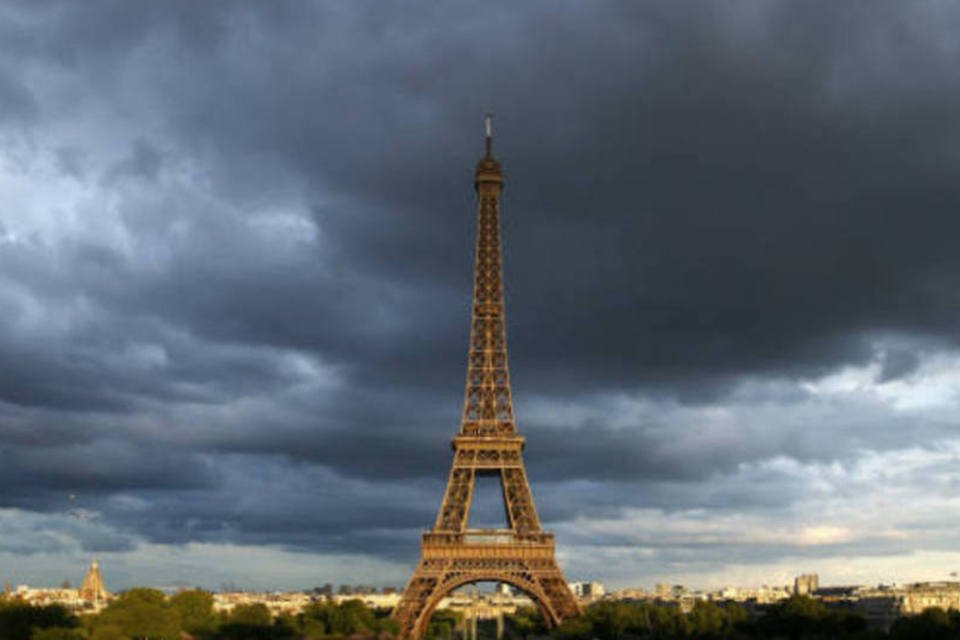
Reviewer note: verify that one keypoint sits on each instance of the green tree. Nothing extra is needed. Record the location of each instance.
(255, 614)
(254, 622)
(611, 619)
(710, 620)
(108, 632)
(443, 624)
(796, 617)
(574, 629)
(387, 625)
(526, 621)
(141, 613)
(354, 616)
(195, 608)
(19, 620)
(840, 622)
(707, 620)
(58, 633)
(664, 622)
(932, 624)
(349, 617)
(803, 617)
(313, 629)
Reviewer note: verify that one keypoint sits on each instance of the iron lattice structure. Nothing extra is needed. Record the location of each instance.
(452, 554)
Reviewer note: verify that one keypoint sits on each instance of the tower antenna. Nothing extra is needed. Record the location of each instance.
(488, 127)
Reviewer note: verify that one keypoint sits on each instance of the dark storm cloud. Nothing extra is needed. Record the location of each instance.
(16, 100)
(898, 363)
(47, 456)
(699, 190)
(260, 500)
(697, 195)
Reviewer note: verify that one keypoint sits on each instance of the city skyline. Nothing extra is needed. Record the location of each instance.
(235, 263)
(93, 589)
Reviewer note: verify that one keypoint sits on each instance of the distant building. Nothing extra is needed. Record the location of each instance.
(277, 602)
(631, 594)
(806, 584)
(69, 598)
(838, 593)
(923, 595)
(588, 590)
(885, 604)
(93, 590)
(372, 600)
(663, 590)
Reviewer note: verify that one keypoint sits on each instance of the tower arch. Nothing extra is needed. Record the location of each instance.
(529, 588)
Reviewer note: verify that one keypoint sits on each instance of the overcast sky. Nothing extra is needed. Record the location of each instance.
(235, 267)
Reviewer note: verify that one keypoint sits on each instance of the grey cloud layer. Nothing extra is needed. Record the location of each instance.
(243, 241)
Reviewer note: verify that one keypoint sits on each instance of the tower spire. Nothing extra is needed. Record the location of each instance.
(488, 407)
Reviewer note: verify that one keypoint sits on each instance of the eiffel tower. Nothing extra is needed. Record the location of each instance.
(452, 554)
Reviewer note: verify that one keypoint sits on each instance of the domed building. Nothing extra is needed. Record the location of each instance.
(93, 591)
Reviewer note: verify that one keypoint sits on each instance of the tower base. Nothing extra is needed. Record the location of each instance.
(451, 560)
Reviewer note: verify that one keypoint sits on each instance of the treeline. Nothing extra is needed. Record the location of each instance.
(148, 613)
(797, 618)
